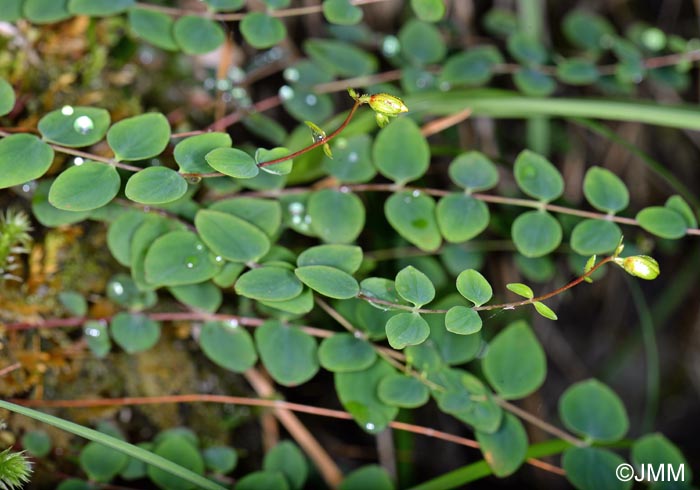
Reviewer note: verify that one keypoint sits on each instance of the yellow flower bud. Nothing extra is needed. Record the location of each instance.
(387, 104)
(641, 266)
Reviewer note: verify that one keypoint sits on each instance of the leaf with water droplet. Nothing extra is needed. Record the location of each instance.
(281, 168)
(174, 259)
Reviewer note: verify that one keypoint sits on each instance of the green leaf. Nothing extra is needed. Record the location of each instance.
(534, 82)
(231, 237)
(412, 215)
(347, 258)
(85, 187)
(521, 290)
(406, 329)
(74, 126)
(357, 392)
(526, 49)
(264, 214)
(233, 162)
(304, 104)
(662, 221)
(592, 468)
(414, 286)
(100, 462)
(99, 8)
(74, 302)
(134, 332)
(97, 339)
(298, 305)
(577, 71)
(461, 217)
(154, 27)
(48, 215)
(328, 281)
(228, 345)
(178, 258)
(352, 159)
(204, 296)
(500, 22)
(545, 310)
(593, 236)
(139, 137)
(344, 353)
(336, 217)
(37, 443)
(27, 148)
(228, 274)
(462, 320)
(679, 205)
(428, 10)
(262, 479)
(122, 290)
(587, 30)
(282, 168)
(220, 459)
(421, 42)
(341, 12)
(120, 233)
(225, 5)
(402, 391)
(472, 67)
(537, 177)
(505, 449)
(591, 409)
(11, 12)
(180, 451)
(657, 451)
(190, 153)
(473, 171)
(7, 96)
(197, 35)
(401, 152)
(473, 286)
(605, 190)
(269, 283)
(341, 58)
(286, 458)
(536, 233)
(46, 11)
(288, 353)
(539, 269)
(261, 30)
(515, 363)
(155, 185)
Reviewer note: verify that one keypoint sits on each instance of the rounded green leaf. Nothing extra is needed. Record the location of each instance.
(474, 286)
(328, 281)
(120, 233)
(344, 257)
(48, 215)
(37, 443)
(406, 329)
(462, 320)
(461, 217)
(12, 11)
(288, 353)
(402, 391)
(592, 468)
(262, 479)
(35, 157)
(97, 338)
(657, 451)
(233, 162)
(181, 451)
(587, 30)
(220, 459)
(46, 11)
(139, 137)
(536, 233)
(577, 71)
(344, 353)
(505, 449)
(155, 185)
(428, 10)
(526, 48)
(532, 81)
(197, 35)
(204, 296)
(134, 332)
(414, 286)
(412, 214)
(422, 43)
(230, 236)
(341, 12)
(594, 236)
(591, 409)
(662, 221)
(74, 126)
(473, 171)
(154, 27)
(74, 302)
(122, 290)
(190, 153)
(85, 187)
(261, 30)
(537, 177)
(264, 214)
(225, 5)
(605, 190)
(401, 152)
(7, 97)
(352, 159)
(228, 345)
(178, 258)
(269, 283)
(336, 217)
(341, 58)
(470, 67)
(288, 459)
(97, 8)
(284, 167)
(515, 363)
(679, 205)
(101, 463)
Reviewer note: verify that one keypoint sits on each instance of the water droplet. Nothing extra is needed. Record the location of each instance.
(415, 193)
(199, 246)
(353, 157)
(390, 46)
(296, 208)
(344, 189)
(26, 188)
(209, 84)
(236, 74)
(77, 161)
(296, 219)
(358, 334)
(117, 288)
(307, 219)
(286, 92)
(193, 179)
(291, 75)
(233, 323)
(341, 143)
(191, 262)
(67, 110)
(239, 93)
(93, 332)
(83, 125)
(190, 265)
(218, 258)
(223, 84)
(311, 99)
(146, 56)
(370, 426)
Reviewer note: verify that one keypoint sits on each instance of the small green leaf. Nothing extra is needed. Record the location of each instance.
(414, 286)
(225, 5)
(336, 217)
(462, 320)
(197, 35)
(662, 221)
(204, 296)
(299, 305)
(536, 233)
(534, 82)
(372, 476)
(605, 190)
(155, 185)
(471, 67)
(269, 283)
(282, 168)
(402, 391)
(99, 8)
(461, 217)
(505, 449)
(27, 148)
(220, 459)
(231, 237)
(190, 153)
(154, 27)
(473, 286)
(344, 257)
(500, 22)
(352, 159)
(341, 12)
(428, 10)
(139, 137)
(593, 236)
(97, 338)
(7, 96)
(233, 162)
(122, 290)
(657, 451)
(178, 258)
(679, 205)
(85, 187)
(328, 281)
(11, 12)
(473, 171)
(577, 71)
(591, 409)
(74, 302)
(134, 332)
(521, 290)
(406, 329)
(74, 126)
(545, 310)
(120, 233)
(515, 363)
(288, 459)
(421, 42)
(263, 479)
(288, 353)
(343, 353)
(46, 11)
(37, 443)
(100, 462)
(526, 48)
(264, 214)
(592, 468)
(261, 30)
(401, 152)
(587, 30)
(341, 58)
(48, 215)
(412, 214)
(179, 450)
(537, 177)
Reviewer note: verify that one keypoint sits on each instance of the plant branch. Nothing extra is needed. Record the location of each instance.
(536, 421)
